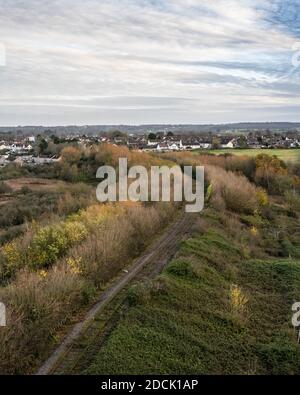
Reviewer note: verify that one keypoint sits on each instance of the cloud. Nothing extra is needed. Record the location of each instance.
(130, 60)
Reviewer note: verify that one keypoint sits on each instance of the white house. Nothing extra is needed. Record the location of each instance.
(230, 144)
(151, 143)
(162, 147)
(173, 147)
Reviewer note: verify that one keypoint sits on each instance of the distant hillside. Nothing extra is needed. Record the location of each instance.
(93, 129)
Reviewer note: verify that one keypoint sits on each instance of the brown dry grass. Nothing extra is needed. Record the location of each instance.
(231, 190)
(41, 302)
(35, 184)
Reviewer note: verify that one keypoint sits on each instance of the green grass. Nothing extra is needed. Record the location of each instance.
(184, 321)
(288, 155)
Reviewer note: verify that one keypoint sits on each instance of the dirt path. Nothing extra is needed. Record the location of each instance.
(146, 266)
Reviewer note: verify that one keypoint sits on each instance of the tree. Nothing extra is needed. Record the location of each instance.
(152, 136)
(116, 134)
(71, 155)
(55, 139)
(216, 143)
(270, 172)
(242, 141)
(43, 145)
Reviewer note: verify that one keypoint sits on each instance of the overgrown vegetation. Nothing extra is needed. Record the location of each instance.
(25, 205)
(58, 268)
(60, 249)
(223, 306)
(78, 164)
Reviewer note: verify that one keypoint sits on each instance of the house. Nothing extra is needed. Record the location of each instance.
(152, 143)
(173, 147)
(162, 147)
(229, 144)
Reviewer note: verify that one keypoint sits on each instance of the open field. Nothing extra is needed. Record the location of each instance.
(288, 155)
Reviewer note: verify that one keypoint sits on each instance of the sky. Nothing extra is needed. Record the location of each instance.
(149, 61)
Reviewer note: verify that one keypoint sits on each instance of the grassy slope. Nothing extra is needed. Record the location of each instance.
(289, 155)
(185, 320)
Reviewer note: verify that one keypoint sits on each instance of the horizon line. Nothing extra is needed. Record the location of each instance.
(148, 124)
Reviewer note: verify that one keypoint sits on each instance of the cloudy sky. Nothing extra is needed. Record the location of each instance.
(149, 61)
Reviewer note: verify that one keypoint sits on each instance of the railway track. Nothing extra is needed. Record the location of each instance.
(73, 355)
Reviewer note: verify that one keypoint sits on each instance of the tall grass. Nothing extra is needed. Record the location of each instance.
(37, 306)
(231, 191)
(240, 164)
(77, 257)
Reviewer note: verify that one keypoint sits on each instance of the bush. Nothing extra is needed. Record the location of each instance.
(51, 242)
(293, 199)
(232, 190)
(272, 174)
(262, 197)
(12, 171)
(4, 188)
(37, 306)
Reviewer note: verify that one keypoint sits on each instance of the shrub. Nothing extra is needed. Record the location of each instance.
(272, 174)
(51, 242)
(70, 155)
(262, 197)
(4, 188)
(37, 306)
(12, 171)
(293, 199)
(237, 193)
(237, 299)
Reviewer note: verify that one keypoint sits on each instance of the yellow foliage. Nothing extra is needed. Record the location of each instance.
(238, 300)
(75, 231)
(262, 197)
(43, 273)
(75, 265)
(270, 164)
(12, 254)
(98, 213)
(254, 231)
